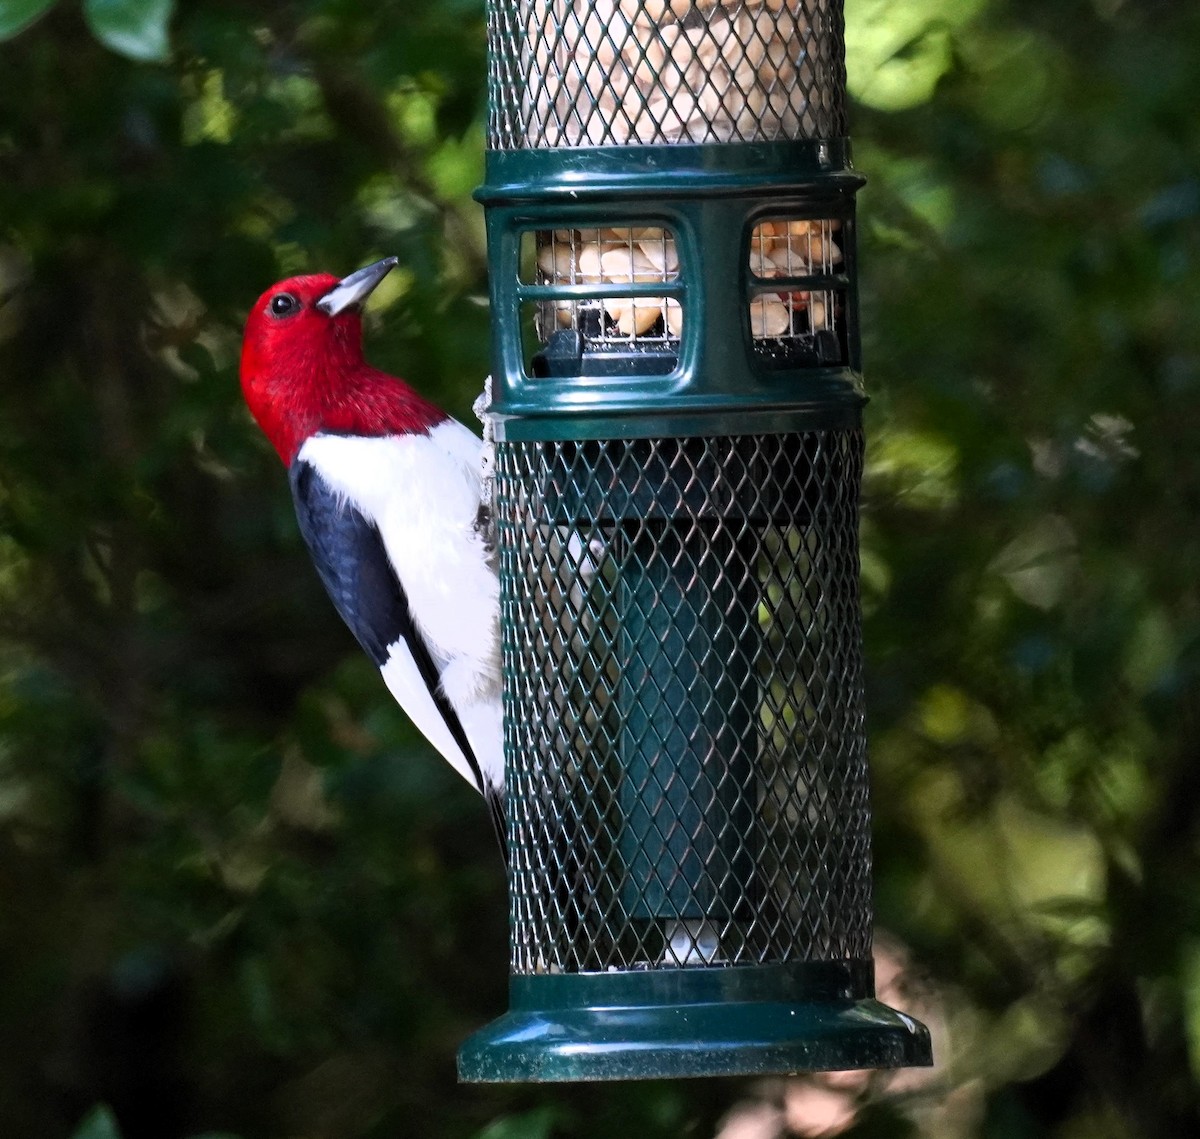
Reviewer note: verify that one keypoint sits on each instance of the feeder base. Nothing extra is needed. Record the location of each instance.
(687, 1034)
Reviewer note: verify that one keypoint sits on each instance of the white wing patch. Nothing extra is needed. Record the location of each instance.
(405, 683)
(422, 493)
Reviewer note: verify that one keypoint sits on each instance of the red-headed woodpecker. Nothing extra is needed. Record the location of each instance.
(387, 490)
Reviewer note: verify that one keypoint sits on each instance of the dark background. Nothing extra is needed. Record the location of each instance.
(237, 892)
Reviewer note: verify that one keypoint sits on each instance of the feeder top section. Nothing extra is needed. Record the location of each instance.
(575, 73)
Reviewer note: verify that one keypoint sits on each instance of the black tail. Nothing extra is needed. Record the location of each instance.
(494, 797)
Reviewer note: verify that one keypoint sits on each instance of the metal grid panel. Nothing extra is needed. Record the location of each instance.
(683, 701)
(798, 321)
(633, 255)
(621, 72)
(794, 247)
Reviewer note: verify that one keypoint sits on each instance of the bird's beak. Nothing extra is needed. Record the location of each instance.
(353, 290)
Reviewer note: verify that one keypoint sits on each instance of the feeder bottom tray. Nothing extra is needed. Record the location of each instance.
(665, 1024)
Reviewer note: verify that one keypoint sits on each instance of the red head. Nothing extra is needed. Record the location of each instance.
(303, 369)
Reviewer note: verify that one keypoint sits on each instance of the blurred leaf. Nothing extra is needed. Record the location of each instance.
(920, 466)
(536, 1124)
(99, 1123)
(1191, 1002)
(897, 50)
(1026, 1039)
(948, 716)
(1041, 563)
(133, 28)
(1151, 651)
(17, 15)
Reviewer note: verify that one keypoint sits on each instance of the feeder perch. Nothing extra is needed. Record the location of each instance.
(677, 414)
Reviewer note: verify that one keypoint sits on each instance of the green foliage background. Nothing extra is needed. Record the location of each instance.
(237, 893)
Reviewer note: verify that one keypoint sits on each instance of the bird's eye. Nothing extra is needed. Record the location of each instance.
(284, 304)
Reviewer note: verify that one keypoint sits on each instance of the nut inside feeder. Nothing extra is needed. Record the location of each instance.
(618, 256)
(783, 320)
(677, 415)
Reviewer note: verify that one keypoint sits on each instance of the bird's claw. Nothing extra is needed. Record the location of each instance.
(485, 526)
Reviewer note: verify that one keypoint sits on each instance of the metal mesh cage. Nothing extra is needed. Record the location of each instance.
(623, 255)
(796, 306)
(683, 701)
(627, 72)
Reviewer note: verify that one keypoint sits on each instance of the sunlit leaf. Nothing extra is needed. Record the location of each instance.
(948, 716)
(133, 28)
(897, 50)
(919, 467)
(208, 115)
(1013, 861)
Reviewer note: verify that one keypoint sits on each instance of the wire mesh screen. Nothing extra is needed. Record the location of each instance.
(683, 701)
(621, 72)
(783, 321)
(797, 323)
(620, 256)
(795, 307)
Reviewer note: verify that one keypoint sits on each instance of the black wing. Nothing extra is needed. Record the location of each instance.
(354, 568)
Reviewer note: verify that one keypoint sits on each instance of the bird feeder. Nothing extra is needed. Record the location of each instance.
(677, 414)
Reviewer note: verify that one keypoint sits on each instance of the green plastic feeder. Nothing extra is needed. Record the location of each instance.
(677, 412)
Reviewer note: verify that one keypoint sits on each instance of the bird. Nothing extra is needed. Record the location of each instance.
(389, 496)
